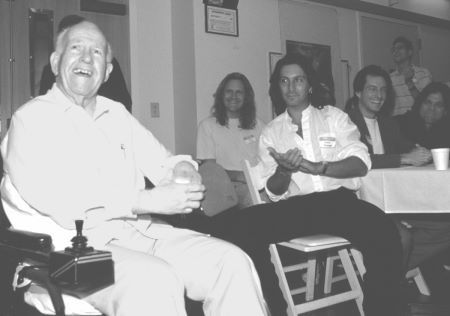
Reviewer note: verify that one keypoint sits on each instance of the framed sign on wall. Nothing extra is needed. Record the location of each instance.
(219, 20)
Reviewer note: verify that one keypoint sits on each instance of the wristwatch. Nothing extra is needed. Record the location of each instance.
(323, 168)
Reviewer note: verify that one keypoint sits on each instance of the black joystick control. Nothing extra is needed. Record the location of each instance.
(81, 270)
(79, 242)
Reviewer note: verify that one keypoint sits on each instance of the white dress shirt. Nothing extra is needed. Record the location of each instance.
(62, 164)
(328, 135)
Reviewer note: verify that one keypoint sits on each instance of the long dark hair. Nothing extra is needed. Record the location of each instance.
(316, 98)
(359, 83)
(434, 87)
(247, 114)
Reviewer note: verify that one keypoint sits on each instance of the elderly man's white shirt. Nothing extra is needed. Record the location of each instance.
(61, 164)
(328, 135)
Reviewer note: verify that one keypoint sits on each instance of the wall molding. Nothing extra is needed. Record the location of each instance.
(386, 11)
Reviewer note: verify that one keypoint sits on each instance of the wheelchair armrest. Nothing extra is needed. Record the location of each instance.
(26, 244)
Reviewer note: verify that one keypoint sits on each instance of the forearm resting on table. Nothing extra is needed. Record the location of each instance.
(349, 167)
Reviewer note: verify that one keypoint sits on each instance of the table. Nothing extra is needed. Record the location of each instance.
(408, 189)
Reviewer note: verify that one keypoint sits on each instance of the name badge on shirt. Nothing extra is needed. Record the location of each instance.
(327, 141)
(249, 139)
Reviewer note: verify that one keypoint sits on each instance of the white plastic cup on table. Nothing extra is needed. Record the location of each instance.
(440, 158)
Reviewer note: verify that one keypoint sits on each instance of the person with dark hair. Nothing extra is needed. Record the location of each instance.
(231, 133)
(370, 110)
(312, 161)
(428, 123)
(408, 80)
(115, 88)
(317, 98)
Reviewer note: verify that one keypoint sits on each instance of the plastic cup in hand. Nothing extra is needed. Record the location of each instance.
(440, 158)
(184, 172)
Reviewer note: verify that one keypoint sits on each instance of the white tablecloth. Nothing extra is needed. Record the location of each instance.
(408, 189)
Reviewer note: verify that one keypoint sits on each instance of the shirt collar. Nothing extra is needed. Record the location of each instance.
(287, 119)
(66, 104)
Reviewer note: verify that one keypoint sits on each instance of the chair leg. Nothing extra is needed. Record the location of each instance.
(358, 258)
(419, 280)
(328, 280)
(352, 277)
(275, 257)
(311, 277)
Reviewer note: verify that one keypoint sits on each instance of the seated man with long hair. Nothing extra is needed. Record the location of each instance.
(231, 133)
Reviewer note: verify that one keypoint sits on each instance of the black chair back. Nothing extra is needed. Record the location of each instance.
(4, 222)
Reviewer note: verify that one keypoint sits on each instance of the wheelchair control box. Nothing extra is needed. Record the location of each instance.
(79, 269)
(86, 273)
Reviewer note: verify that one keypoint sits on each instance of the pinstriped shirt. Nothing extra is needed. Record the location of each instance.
(403, 98)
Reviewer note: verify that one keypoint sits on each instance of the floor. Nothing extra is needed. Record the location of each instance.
(438, 304)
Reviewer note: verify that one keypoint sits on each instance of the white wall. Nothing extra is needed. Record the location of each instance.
(436, 54)
(218, 55)
(152, 66)
(185, 107)
(157, 77)
(179, 65)
(436, 8)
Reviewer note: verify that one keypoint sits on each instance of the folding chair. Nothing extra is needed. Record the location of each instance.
(312, 246)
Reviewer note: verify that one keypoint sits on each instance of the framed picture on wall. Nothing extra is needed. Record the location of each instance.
(320, 58)
(274, 57)
(222, 21)
(230, 4)
(218, 3)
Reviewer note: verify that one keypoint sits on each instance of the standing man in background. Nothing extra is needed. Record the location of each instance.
(408, 80)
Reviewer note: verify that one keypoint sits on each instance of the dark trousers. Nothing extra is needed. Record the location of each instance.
(337, 212)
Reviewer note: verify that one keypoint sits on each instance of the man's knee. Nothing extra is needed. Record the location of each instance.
(236, 258)
(143, 284)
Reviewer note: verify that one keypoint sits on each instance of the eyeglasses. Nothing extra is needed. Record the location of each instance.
(398, 47)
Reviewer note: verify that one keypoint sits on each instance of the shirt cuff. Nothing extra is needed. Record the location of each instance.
(275, 198)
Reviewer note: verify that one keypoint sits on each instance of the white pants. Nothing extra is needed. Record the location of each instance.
(152, 275)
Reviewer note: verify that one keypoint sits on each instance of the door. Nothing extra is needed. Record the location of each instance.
(436, 52)
(17, 59)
